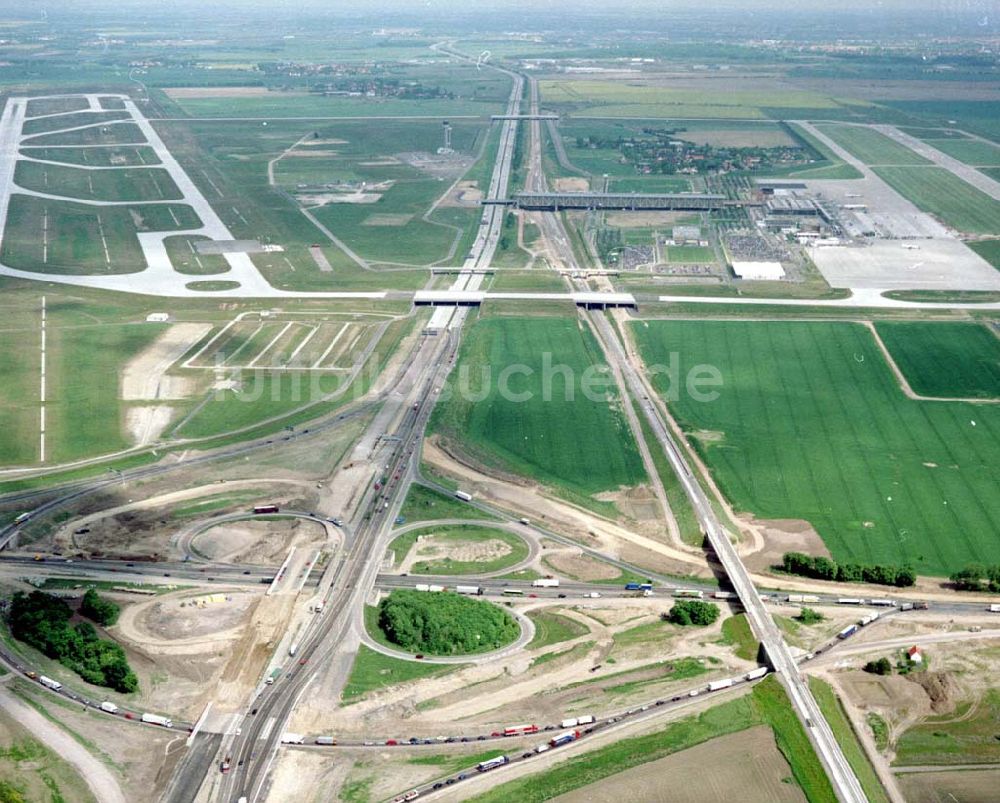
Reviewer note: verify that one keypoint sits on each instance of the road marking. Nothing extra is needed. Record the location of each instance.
(198, 724)
(301, 345)
(267, 348)
(330, 347)
(268, 727)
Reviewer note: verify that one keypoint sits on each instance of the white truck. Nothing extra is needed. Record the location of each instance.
(156, 719)
(111, 708)
(717, 685)
(465, 497)
(470, 590)
(292, 738)
(545, 582)
(55, 685)
(753, 674)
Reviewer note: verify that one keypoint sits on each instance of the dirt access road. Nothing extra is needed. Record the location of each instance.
(101, 782)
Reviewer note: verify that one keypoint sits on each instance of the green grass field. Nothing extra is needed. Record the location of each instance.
(372, 671)
(971, 151)
(40, 106)
(833, 712)
(85, 415)
(553, 628)
(426, 504)
(277, 105)
(767, 704)
(831, 166)
(540, 435)
(736, 633)
(988, 250)
(127, 184)
(944, 195)
(124, 156)
(945, 359)
(966, 736)
(19, 416)
(870, 146)
(811, 424)
(47, 124)
(186, 259)
(113, 134)
(690, 253)
(70, 238)
(459, 534)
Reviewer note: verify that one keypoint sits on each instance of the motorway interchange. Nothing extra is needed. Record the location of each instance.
(249, 746)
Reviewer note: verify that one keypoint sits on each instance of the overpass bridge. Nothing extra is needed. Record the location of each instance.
(473, 298)
(632, 201)
(524, 117)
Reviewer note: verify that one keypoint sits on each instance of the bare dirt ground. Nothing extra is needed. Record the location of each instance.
(262, 543)
(432, 548)
(575, 565)
(744, 766)
(463, 194)
(643, 219)
(583, 526)
(145, 528)
(516, 688)
(146, 423)
(144, 377)
(571, 184)
(781, 536)
(190, 616)
(137, 760)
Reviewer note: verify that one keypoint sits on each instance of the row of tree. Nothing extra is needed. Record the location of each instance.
(444, 623)
(977, 577)
(43, 621)
(821, 568)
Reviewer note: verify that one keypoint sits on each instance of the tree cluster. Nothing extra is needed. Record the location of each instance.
(808, 616)
(880, 667)
(821, 568)
(693, 612)
(444, 623)
(976, 577)
(103, 611)
(43, 621)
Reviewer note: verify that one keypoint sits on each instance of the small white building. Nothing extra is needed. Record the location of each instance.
(759, 271)
(915, 656)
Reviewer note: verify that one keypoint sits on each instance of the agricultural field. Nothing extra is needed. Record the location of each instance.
(943, 194)
(125, 184)
(988, 250)
(616, 99)
(945, 359)
(829, 166)
(811, 424)
(536, 431)
(870, 146)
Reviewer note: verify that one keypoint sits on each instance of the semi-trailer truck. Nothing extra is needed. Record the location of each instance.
(545, 582)
(471, 590)
(564, 738)
(847, 632)
(465, 497)
(492, 764)
(110, 708)
(156, 719)
(55, 685)
(717, 685)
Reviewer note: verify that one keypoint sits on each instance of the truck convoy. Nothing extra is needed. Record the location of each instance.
(572, 722)
(156, 719)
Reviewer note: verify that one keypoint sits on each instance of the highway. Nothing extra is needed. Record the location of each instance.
(842, 777)
(329, 638)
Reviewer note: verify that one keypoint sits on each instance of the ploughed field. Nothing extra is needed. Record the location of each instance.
(810, 423)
